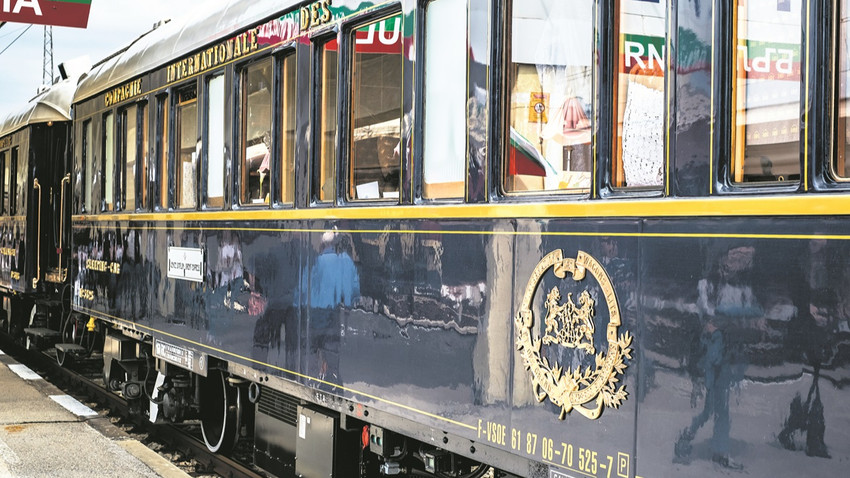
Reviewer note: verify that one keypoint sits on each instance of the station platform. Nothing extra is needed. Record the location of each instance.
(47, 433)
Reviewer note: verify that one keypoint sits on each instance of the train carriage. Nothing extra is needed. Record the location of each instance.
(429, 238)
(35, 170)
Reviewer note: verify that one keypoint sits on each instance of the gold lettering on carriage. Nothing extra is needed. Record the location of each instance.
(5, 142)
(241, 45)
(123, 93)
(571, 325)
(316, 14)
(103, 266)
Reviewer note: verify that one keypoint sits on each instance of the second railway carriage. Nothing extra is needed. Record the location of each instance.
(427, 238)
(35, 187)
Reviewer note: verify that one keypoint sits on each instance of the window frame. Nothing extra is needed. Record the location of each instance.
(4, 160)
(830, 172)
(122, 143)
(206, 149)
(240, 75)
(87, 164)
(501, 166)
(283, 54)
(175, 142)
(14, 159)
(345, 152)
(723, 110)
(143, 180)
(109, 117)
(162, 126)
(614, 165)
(315, 162)
(420, 148)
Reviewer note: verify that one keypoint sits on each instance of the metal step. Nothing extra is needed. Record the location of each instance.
(70, 349)
(41, 332)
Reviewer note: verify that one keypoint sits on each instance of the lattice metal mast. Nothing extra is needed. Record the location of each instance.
(47, 71)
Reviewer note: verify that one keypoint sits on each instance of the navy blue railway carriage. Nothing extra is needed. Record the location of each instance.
(439, 238)
(35, 214)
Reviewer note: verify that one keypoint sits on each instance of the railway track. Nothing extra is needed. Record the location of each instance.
(81, 379)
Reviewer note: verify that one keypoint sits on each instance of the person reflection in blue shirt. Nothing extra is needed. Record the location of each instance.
(334, 288)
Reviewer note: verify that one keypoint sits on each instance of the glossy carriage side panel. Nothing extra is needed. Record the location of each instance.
(13, 236)
(17, 258)
(394, 317)
(746, 350)
(575, 311)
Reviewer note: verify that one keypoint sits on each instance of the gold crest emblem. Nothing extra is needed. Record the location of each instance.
(572, 326)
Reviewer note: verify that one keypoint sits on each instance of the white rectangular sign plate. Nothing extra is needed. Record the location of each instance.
(186, 264)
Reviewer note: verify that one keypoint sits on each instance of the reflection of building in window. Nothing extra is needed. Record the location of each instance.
(376, 110)
(639, 109)
(551, 84)
(766, 93)
(256, 132)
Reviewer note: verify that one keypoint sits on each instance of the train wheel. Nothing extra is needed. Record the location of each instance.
(220, 409)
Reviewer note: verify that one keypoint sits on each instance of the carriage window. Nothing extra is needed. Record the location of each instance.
(14, 192)
(551, 96)
(444, 141)
(256, 132)
(376, 110)
(186, 124)
(639, 147)
(4, 185)
(766, 92)
(215, 141)
(841, 166)
(108, 162)
(287, 130)
(144, 166)
(129, 138)
(88, 164)
(162, 142)
(324, 188)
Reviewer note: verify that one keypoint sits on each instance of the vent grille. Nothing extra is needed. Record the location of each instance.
(278, 405)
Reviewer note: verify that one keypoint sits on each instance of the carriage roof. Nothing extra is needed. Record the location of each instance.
(53, 104)
(173, 40)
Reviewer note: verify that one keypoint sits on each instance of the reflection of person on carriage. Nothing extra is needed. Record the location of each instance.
(728, 308)
(812, 340)
(334, 289)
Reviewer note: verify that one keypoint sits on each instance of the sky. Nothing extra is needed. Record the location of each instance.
(113, 24)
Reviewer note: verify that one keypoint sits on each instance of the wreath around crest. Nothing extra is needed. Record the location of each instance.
(572, 389)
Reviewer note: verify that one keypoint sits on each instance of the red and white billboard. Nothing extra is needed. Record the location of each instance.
(61, 13)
